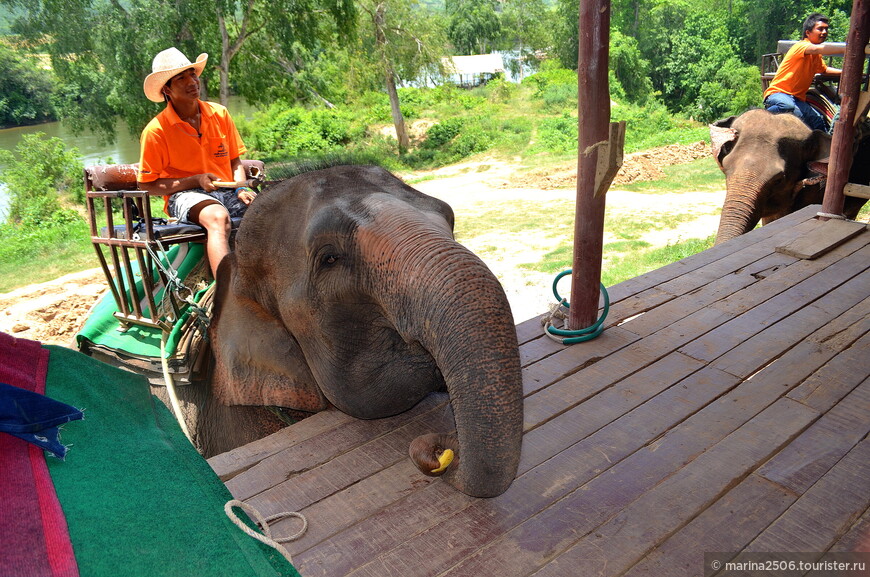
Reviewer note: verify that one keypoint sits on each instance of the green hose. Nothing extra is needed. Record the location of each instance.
(580, 335)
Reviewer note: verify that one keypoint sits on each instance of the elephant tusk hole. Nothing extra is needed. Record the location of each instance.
(444, 459)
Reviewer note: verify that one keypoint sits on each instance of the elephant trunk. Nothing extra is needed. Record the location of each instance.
(741, 212)
(441, 295)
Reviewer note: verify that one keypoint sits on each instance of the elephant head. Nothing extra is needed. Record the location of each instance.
(766, 160)
(346, 287)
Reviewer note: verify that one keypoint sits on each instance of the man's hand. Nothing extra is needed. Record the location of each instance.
(205, 181)
(246, 195)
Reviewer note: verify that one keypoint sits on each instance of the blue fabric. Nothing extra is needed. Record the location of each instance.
(779, 103)
(35, 418)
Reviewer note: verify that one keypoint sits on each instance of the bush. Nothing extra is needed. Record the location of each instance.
(39, 175)
(557, 134)
(292, 132)
(25, 93)
(451, 141)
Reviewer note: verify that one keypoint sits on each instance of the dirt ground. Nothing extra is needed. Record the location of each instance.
(54, 311)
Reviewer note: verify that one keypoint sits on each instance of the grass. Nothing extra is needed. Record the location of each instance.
(44, 254)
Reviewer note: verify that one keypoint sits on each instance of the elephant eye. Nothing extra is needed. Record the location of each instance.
(329, 259)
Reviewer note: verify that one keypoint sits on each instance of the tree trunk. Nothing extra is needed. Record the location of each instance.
(229, 50)
(390, 78)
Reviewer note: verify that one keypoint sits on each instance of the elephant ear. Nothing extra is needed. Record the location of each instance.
(257, 360)
(722, 139)
(819, 148)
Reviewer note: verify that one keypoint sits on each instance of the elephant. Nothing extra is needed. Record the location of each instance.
(346, 288)
(768, 161)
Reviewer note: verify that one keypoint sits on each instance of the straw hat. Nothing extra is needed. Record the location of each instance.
(166, 65)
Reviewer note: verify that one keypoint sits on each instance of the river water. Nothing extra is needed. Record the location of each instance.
(90, 149)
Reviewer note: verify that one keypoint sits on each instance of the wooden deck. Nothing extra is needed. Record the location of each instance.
(725, 409)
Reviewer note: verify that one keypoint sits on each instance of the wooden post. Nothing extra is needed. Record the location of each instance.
(593, 175)
(844, 128)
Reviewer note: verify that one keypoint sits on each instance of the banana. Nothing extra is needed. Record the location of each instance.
(444, 459)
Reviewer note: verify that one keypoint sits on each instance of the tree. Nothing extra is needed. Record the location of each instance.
(101, 68)
(25, 94)
(526, 26)
(473, 26)
(399, 40)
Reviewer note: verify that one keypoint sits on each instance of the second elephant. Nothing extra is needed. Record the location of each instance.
(767, 161)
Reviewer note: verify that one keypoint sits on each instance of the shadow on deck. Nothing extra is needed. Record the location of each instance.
(725, 409)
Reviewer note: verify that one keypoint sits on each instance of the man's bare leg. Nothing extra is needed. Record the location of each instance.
(213, 216)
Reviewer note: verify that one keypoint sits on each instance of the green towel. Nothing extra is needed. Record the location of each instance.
(138, 498)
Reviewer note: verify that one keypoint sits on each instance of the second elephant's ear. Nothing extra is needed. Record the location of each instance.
(257, 360)
(722, 139)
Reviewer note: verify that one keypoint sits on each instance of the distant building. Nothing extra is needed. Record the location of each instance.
(474, 70)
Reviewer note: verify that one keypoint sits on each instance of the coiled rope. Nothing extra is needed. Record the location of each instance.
(559, 311)
(266, 535)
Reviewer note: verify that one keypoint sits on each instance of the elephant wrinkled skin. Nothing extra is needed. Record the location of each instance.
(347, 288)
(767, 160)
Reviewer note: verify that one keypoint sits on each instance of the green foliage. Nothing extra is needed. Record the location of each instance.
(452, 140)
(557, 134)
(40, 174)
(473, 25)
(25, 93)
(282, 132)
(629, 68)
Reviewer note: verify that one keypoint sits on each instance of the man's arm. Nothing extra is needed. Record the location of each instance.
(825, 49)
(167, 186)
(239, 173)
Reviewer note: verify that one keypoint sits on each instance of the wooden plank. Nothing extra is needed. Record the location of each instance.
(824, 388)
(611, 368)
(856, 539)
(749, 356)
(713, 422)
(822, 515)
(540, 484)
(706, 295)
(732, 262)
(727, 525)
(798, 466)
(321, 448)
(688, 267)
(826, 236)
(607, 526)
(601, 399)
(351, 467)
(785, 299)
(228, 465)
(570, 359)
(856, 190)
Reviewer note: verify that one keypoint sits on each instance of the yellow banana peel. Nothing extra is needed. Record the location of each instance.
(444, 459)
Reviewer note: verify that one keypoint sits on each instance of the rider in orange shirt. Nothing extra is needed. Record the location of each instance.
(187, 147)
(788, 90)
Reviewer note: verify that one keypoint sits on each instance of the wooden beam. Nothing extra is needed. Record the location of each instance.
(593, 137)
(844, 128)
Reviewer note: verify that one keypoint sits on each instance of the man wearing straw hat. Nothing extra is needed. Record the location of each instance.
(188, 147)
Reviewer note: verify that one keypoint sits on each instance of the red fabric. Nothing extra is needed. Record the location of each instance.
(35, 535)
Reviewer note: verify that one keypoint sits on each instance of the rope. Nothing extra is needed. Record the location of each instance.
(266, 535)
(557, 312)
(829, 215)
(170, 388)
(175, 284)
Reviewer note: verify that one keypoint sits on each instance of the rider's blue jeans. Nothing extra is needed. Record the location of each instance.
(779, 103)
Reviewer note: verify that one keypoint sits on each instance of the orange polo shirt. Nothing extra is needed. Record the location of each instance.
(795, 75)
(171, 148)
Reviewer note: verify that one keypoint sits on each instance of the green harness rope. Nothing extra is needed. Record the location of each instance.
(567, 337)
